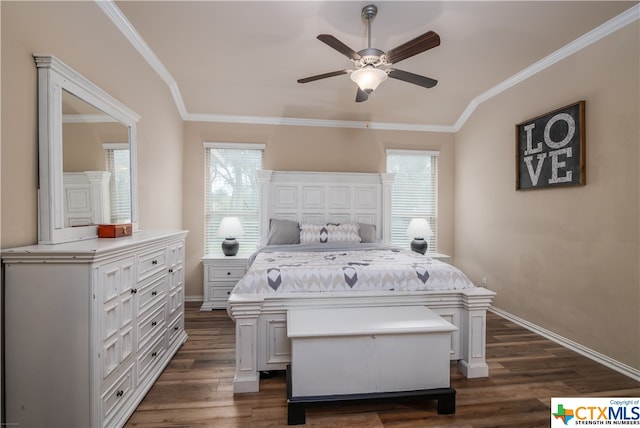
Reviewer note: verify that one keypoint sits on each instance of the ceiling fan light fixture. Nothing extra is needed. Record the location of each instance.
(368, 78)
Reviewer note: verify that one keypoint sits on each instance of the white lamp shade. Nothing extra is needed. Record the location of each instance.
(368, 78)
(419, 228)
(230, 227)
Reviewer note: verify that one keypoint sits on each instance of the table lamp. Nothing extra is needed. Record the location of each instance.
(230, 228)
(418, 230)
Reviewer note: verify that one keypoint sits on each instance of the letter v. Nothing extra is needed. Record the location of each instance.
(535, 175)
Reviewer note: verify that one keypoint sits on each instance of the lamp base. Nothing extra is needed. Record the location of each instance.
(230, 247)
(419, 245)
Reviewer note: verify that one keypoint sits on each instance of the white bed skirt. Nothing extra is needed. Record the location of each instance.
(261, 326)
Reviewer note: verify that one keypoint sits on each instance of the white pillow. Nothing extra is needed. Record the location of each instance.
(323, 233)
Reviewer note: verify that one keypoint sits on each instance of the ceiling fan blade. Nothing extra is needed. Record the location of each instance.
(416, 79)
(322, 76)
(361, 96)
(413, 47)
(339, 46)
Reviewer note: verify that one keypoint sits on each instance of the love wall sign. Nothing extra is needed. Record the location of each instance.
(550, 149)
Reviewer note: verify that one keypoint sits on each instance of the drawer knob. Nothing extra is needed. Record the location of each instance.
(134, 290)
(228, 273)
(154, 293)
(154, 354)
(228, 293)
(154, 262)
(170, 270)
(154, 323)
(120, 393)
(176, 327)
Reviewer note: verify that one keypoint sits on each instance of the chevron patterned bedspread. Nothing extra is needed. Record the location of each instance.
(355, 267)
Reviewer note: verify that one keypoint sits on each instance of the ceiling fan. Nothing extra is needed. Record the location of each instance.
(369, 62)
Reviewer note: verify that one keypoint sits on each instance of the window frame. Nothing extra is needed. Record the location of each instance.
(211, 241)
(431, 213)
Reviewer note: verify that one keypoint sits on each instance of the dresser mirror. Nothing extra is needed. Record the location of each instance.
(86, 156)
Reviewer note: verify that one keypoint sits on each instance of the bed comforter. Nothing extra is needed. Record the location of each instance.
(345, 268)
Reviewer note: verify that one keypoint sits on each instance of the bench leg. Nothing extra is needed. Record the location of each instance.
(296, 414)
(447, 403)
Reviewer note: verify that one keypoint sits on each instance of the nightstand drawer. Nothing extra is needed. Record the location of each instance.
(220, 292)
(225, 273)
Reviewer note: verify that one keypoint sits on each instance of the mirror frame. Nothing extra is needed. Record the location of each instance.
(54, 77)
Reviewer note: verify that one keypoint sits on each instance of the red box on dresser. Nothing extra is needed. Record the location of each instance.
(114, 230)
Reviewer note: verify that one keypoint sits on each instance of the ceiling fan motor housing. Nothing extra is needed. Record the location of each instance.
(370, 57)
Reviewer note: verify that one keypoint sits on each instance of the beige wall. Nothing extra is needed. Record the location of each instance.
(291, 148)
(81, 35)
(566, 259)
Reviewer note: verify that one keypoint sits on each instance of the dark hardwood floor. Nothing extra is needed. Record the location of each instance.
(526, 370)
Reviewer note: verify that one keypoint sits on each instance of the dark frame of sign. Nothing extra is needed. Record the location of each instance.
(550, 149)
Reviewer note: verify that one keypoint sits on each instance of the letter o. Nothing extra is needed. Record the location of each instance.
(570, 132)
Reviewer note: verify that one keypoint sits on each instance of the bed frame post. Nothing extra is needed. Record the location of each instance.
(387, 183)
(264, 179)
(473, 338)
(246, 378)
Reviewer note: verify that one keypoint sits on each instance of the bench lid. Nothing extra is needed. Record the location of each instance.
(319, 322)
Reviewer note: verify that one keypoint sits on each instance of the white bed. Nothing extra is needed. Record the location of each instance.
(320, 198)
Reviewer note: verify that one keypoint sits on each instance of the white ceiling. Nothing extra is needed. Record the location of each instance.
(228, 60)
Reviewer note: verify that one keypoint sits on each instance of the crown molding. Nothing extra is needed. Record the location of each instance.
(122, 23)
(322, 123)
(128, 30)
(609, 27)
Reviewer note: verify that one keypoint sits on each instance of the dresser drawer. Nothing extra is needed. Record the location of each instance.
(148, 357)
(150, 293)
(153, 323)
(115, 396)
(151, 262)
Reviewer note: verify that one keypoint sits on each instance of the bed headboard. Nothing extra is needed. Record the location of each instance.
(323, 197)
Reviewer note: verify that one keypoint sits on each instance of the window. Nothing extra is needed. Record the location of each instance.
(118, 164)
(414, 193)
(232, 190)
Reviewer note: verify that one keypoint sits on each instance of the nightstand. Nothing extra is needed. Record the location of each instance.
(439, 256)
(221, 273)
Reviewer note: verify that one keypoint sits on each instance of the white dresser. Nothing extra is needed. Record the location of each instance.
(89, 326)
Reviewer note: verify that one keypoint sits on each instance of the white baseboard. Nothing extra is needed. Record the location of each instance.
(622, 368)
(199, 298)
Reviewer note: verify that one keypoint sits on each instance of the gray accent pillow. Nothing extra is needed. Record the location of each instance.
(367, 233)
(282, 232)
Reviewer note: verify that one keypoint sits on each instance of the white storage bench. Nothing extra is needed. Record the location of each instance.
(351, 354)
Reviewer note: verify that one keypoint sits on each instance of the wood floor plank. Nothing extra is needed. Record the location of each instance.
(526, 370)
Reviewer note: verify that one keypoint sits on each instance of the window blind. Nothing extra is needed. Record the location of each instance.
(231, 190)
(118, 164)
(414, 193)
